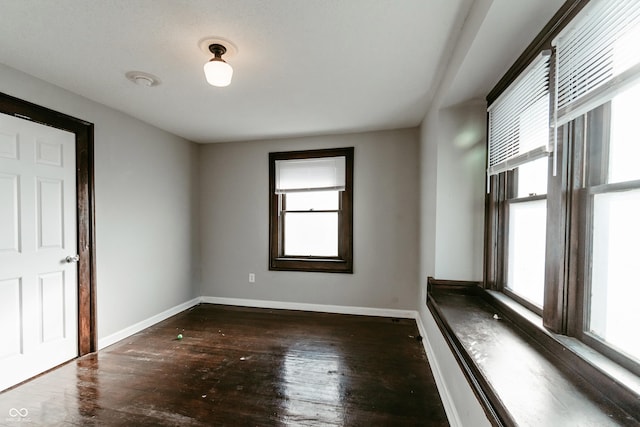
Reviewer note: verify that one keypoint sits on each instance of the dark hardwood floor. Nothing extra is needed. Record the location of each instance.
(242, 367)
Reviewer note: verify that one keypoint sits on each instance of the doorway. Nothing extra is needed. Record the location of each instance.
(81, 134)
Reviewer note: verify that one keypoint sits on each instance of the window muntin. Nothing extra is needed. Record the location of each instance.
(311, 226)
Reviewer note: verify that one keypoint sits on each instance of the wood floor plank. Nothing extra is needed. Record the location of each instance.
(243, 366)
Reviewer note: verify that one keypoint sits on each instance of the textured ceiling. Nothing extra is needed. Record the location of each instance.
(301, 67)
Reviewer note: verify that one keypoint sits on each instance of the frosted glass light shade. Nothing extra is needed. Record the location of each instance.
(218, 72)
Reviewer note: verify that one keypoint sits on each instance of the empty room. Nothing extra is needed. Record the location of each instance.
(319, 212)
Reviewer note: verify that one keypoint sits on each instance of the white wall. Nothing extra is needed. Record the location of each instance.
(451, 213)
(146, 207)
(461, 152)
(234, 181)
(452, 145)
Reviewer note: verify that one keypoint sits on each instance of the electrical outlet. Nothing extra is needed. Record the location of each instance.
(252, 278)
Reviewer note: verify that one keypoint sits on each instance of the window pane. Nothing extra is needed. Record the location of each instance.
(615, 274)
(532, 178)
(527, 238)
(624, 149)
(311, 234)
(313, 200)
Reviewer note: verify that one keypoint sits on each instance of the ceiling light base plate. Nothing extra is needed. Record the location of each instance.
(204, 44)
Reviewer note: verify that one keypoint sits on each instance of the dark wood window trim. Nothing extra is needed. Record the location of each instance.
(87, 332)
(343, 263)
(568, 242)
(569, 215)
(602, 384)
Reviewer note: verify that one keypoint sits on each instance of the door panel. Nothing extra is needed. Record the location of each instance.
(10, 316)
(9, 230)
(50, 213)
(38, 288)
(52, 306)
(8, 144)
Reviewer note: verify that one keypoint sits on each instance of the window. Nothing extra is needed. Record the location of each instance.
(526, 233)
(311, 210)
(611, 189)
(518, 151)
(562, 232)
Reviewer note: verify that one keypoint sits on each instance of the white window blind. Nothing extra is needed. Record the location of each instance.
(312, 174)
(597, 56)
(519, 119)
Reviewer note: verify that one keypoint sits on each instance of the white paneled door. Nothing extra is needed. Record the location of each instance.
(38, 269)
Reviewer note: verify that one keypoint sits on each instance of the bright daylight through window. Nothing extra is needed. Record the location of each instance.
(311, 223)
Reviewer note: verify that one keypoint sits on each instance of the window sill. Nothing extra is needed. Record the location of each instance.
(521, 373)
(321, 265)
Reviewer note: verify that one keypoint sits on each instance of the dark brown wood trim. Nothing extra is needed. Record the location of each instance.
(497, 414)
(88, 338)
(542, 41)
(467, 285)
(495, 257)
(535, 335)
(614, 187)
(344, 262)
(491, 234)
(523, 302)
(577, 233)
(556, 296)
(87, 332)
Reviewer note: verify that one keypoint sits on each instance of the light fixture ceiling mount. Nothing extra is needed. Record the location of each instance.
(217, 71)
(217, 49)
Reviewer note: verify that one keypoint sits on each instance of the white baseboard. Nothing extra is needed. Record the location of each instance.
(338, 309)
(366, 311)
(127, 332)
(445, 396)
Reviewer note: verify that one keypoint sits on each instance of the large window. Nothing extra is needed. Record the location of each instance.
(311, 221)
(563, 231)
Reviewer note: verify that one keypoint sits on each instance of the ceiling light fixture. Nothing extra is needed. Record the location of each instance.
(217, 71)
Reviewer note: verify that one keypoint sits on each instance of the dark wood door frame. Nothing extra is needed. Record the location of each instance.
(83, 130)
